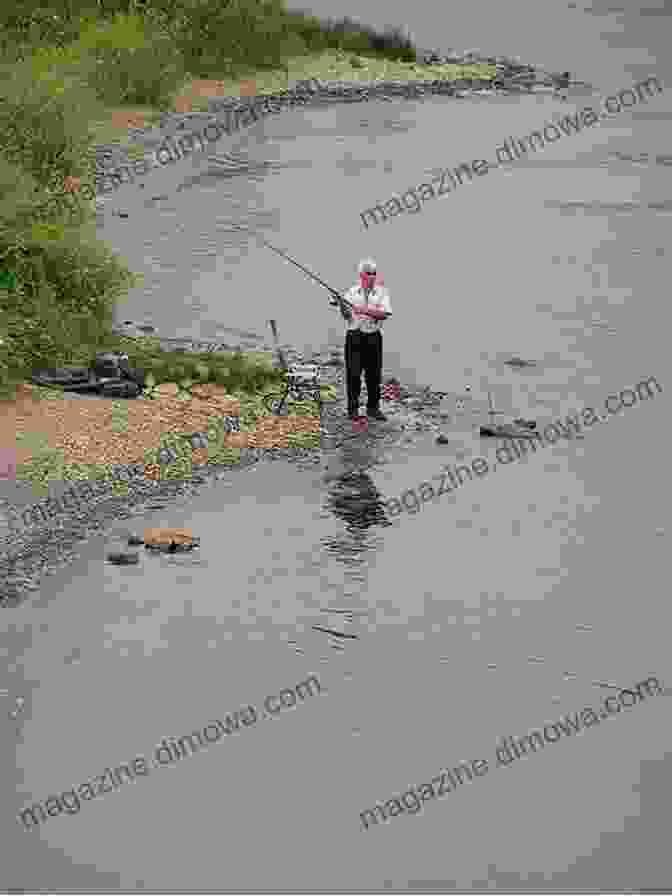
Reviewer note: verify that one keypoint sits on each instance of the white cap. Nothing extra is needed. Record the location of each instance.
(368, 266)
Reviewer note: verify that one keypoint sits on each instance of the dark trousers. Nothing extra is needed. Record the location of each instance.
(363, 353)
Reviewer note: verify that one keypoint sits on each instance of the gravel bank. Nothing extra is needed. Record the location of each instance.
(30, 553)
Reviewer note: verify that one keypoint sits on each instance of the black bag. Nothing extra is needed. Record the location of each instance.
(110, 364)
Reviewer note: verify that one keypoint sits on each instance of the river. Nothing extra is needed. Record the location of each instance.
(489, 613)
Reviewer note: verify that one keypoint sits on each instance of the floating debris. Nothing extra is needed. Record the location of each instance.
(330, 631)
(520, 363)
(505, 431)
(345, 612)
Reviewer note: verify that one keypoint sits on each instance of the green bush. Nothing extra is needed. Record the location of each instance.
(45, 107)
(135, 63)
(64, 300)
(25, 24)
(216, 38)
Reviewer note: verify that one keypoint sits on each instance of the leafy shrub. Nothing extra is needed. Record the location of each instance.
(45, 106)
(25, 24)
(135, 64)
(65, 298)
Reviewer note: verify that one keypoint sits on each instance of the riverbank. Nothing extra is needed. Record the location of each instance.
(32, 548)
(134, 138)
(325, 71)
(31, 552)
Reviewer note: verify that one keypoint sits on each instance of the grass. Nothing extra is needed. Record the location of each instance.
(245, 378)
(333, 65)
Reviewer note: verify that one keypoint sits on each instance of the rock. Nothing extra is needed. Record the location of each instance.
(520, 362)
(123, 558)
(163, 537)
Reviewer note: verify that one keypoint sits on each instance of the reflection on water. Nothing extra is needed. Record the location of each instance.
(354, 499)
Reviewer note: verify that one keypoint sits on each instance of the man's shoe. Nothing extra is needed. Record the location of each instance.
(376, 415)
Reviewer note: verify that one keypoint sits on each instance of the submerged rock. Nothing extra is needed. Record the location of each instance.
(123, 558)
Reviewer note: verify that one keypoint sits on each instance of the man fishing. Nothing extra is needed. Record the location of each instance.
(364, 308)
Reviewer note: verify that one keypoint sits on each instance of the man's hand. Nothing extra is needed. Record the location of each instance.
(344, 305)
(370, 311)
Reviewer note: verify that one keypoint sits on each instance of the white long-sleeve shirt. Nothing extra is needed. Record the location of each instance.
(379, 297)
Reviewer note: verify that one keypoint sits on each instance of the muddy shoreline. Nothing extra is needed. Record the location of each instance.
(31, 553)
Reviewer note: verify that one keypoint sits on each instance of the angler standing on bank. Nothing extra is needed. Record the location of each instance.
(365, 308)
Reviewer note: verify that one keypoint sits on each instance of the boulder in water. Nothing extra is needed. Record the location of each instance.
(164, 538)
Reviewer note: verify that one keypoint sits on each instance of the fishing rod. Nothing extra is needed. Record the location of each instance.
(335, 293)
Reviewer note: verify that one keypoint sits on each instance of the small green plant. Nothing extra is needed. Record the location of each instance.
(45, 465)
(181, 468)
(119, 416)
(225, 456)
(151, 389)
(252, 407)
(304, 408)
(45, 393)
(184, 389)
(304, 440)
